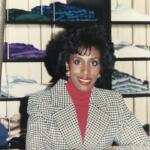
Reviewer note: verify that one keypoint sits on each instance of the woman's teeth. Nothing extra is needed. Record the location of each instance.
(86, 81)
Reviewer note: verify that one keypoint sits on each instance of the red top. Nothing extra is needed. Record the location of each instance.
(81, 102)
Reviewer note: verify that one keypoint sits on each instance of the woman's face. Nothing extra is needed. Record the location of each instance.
(84, 69)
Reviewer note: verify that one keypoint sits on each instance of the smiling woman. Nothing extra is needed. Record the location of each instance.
(84, 69)
(79, 40)
(74, 113)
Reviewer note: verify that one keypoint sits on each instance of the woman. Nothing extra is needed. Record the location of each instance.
(73, 113)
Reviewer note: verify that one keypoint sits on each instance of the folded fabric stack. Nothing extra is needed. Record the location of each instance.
(12, 130)
(54, 12)
(120, 44)
(12, 125)
(15, 51)
(127, 84)
(133, 51)
(3, 135)
(19, 86)
(65, 12)
(19, 15)
(126, 50)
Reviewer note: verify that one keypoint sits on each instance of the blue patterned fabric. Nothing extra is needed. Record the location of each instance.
(65, 12)
(3, 135)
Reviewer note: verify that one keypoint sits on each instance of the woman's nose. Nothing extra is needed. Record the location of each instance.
(85, 69)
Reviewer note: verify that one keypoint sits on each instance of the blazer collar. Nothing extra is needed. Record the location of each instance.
(66, 120)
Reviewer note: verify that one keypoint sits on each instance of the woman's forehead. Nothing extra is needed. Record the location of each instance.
(88, 51)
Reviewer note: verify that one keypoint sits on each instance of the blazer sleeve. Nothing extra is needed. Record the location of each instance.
(36, 126)
(130, 134)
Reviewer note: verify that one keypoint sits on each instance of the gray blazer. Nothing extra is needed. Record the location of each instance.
(52, 123)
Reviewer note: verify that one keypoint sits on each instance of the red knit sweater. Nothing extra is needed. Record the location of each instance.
(81, 103)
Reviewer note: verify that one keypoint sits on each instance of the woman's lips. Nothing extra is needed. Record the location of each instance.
(84, 81)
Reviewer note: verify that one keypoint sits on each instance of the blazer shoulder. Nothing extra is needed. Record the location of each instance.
(112, 100)
(40, 97)
(108, 93)
(51, 95)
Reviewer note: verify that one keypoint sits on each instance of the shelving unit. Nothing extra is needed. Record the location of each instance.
(138, 103)
(134, 59)
(102, 7)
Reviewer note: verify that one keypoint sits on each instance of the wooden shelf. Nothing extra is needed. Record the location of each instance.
(130, 22)
(135, 95)
(25, 60)
(13, 98)
(133, 59)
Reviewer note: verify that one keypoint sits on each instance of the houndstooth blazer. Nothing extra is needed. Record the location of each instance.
(53, 125)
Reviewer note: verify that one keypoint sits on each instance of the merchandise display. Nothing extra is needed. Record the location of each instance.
(127, 84)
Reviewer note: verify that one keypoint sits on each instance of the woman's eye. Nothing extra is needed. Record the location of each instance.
(77, 61)
(94, 63)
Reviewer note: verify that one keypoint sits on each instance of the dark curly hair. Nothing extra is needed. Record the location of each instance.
(71, 41)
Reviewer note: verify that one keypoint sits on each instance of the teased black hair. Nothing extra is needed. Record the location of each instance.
(71, 41)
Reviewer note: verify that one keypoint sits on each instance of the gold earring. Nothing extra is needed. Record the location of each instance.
(67, 73)
(98, 76)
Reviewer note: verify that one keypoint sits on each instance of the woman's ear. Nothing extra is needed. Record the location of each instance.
(67, 69)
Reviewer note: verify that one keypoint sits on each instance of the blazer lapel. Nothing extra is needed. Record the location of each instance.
(98, 122)
(67, 123)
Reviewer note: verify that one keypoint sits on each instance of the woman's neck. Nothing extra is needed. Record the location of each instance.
(76, 93)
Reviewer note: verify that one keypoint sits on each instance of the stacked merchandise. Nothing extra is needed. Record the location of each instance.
(20, 51)
(46, 13)
(127, 84)
(18, 86)
(126, 50)
(123, 82)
